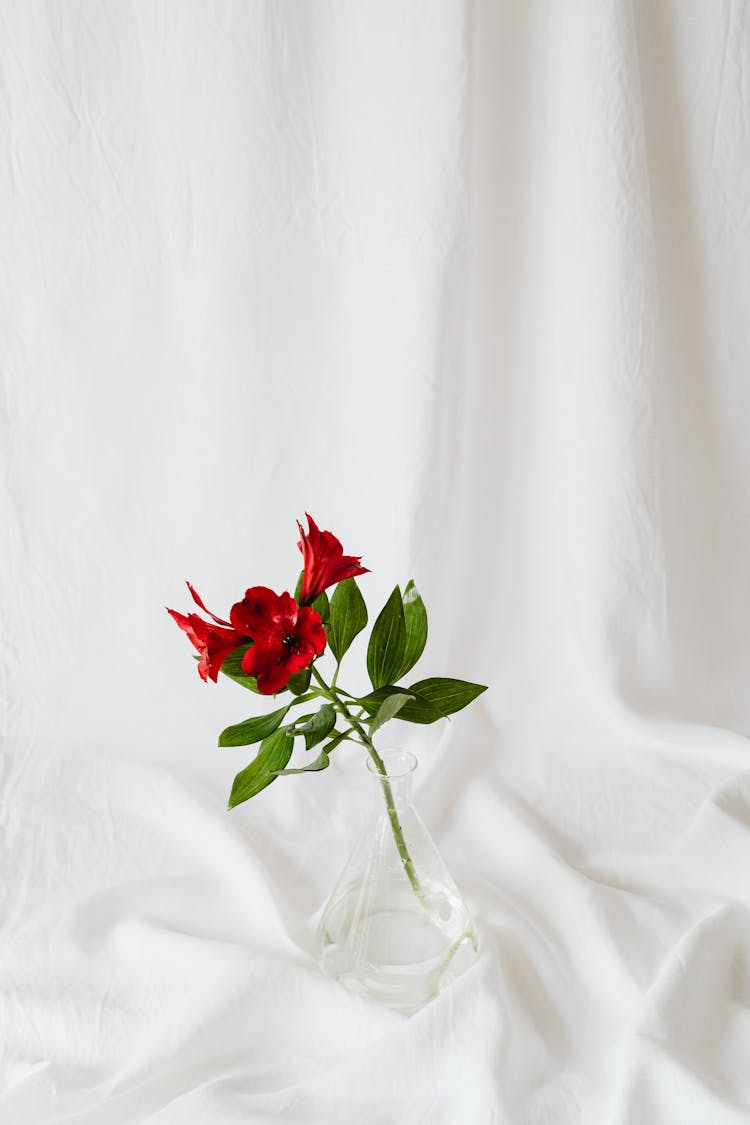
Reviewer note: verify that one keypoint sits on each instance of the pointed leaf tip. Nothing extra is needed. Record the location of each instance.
(388, 709)
(347, 617)
(253, 730)
(273, 755)
(385, 652)
(415, 624)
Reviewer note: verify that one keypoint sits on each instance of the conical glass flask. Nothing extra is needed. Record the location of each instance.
(395, 928)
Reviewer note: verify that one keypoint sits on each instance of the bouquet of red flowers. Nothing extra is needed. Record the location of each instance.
(272, 644)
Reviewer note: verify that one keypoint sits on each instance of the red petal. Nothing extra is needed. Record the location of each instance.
(298, 661)
(324, 561)
(196, 598)
(309, 542)
(345, 567)
(313, 556)
(196, 628)
(287, 614)
(258, 614)
(186, 625)
(218, 648)
(273, 679)
(214, 643)
(310, 629)
(330, 545)
(269, 665)
(258, 656)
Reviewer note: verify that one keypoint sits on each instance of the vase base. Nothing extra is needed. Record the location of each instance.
(406, 953)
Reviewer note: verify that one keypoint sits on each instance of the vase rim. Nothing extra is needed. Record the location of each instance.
(398, 763)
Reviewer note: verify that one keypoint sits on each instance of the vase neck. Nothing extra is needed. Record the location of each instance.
(399, 772)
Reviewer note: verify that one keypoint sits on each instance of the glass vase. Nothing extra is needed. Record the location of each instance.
(395, 928)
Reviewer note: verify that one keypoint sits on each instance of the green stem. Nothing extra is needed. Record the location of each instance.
(398, 834)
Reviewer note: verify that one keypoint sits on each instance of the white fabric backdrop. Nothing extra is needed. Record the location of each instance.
(467, 281)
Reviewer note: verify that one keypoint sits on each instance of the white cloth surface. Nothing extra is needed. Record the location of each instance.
(156, 959)
(468, 282)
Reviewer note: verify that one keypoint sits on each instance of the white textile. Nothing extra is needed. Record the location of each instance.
(469, 282)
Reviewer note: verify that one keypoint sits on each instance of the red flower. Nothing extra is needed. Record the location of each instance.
(213, 642)
(287, 637)
(325, 561)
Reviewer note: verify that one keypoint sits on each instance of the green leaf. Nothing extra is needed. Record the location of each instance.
(447, 695)
(433, 699)
(317, 727)
(415, 710)
(317, 736)
(340, 736)
(299, 682)
(388, 709)
(253, 730)
(293, 727)
(348, 617)
(232, 667)
(385, 652)
(415, 621)
(325, 717)
(298, 699)
(322, 606)
(273, 755)
(321, 763)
